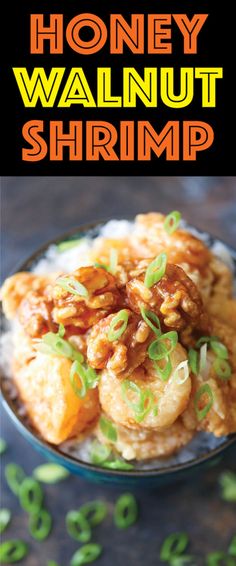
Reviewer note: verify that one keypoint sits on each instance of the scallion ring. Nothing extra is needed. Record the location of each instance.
(52, 563)
(150, 317)
(163, 373)
(72, 286)
(12, 551)
(3, 446)
(112, 268)
(78, 379)
(144, 403)
(99, 453)
(50, 473)
(203, 357)
(108, 428)
(54, 344)
(202, 391)
(222, 369)
(174, 545)
(94, 511)
(40, 524)
(14, 475)
(193, 361)
(172, 221)
(219, 349)
(86, 554)
(227, 481)
(158, 349)
(126, 511)
(117, 464)
(215, 558)
(5, 517)
(155, 270)
(77, 526)
(184, 368)
(31, 495)
(205, 340)
(68, 244)
(118, 325)
(232, 547)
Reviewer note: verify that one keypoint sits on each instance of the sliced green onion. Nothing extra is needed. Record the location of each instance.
(145, 401)
(174, 545)
(52, 563)
(227, 481)
(3, 446)
(61, 330)
(50, 473)
(163, 373)
(232, 547)
(53, 344)
(158, 350)
(14, 475)
(12, 551)
(102, 266)
(193, 361)
(126, 511)
(68, 244)
(183, 366)
(108, 428)
(77, 526)
(99, 452)
(182, 560)
(203, 390)
(117, 464)
(172, 221)
(5, 517)
(215, 558)
(202, 357)
(113, 261)
(72, 286)
(149, 318)
(94, 511)
(155, 270)
(40, 524)
(222, 369)
(86, 554)
(31, 495)
(219, 349)
(82, 378)
(206, 340)
(116, 329)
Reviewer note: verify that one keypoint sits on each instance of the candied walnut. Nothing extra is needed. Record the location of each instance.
(35, 314)
(121, 356)
(175, 299)
(150, 238)
(77, 310)
(16, 287)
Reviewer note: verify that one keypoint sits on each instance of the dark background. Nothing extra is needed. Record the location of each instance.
(215, 47)
(35, 209)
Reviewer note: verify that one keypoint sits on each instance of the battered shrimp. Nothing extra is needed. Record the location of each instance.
(84, 311)
(16, 287)
(225, 310)
(175, 299)
(146, 444)
(170, 398)
(120, 356)
(53, 407)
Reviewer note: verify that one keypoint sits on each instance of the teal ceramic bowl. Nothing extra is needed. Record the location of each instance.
(138, 477)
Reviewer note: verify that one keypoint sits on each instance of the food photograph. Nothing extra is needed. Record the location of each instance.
(118, 371)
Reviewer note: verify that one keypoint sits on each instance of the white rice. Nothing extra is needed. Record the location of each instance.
(69, 260)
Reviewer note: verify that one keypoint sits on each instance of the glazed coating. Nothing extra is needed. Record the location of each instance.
(16, 287)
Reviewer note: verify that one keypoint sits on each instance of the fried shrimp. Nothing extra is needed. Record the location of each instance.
(53, 407)
(83, 310)
(16, 287)
(169, 398)
(144, 444)
(123, 355)
(175, 299)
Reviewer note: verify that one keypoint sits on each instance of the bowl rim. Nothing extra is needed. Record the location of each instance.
(54, 451)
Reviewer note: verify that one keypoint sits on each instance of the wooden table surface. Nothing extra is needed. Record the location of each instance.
(36, 209)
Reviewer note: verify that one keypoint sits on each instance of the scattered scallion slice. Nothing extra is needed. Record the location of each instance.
(14, 475)
(227, 481)
(53, 344)
(68, 244)
(215, 558)
(31, 495)
(118, 325)
(145, 399)
(12, 551)
(5, 517)
(203, 357)
(94, 511)
(108, 428)
(172, 221)
(163, 373)
(150, 317)
(182, 367)
(40, 524)
(205, 340)
(182, 560)
(202, 391)
(99, 453)
(174, 545)
(52, 563)
(101, 265)
(86, 554)
(126, 511)
(3, 446)
(117, 464)
(77, 526)
(50, 473)
(112, 268)
(219, 349)
(155, 270)
(222, 369)
(72, 286)
(82, 378)
(232, 547)
(158, 349)
(193, 361)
